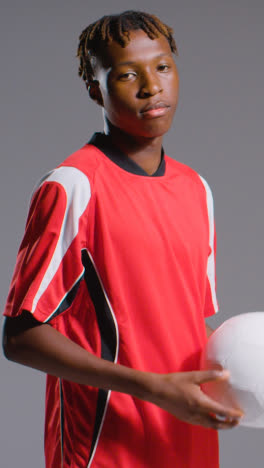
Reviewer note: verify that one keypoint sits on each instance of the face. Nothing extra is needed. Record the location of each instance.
(138, 85)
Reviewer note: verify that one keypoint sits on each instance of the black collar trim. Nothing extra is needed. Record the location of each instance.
(103, 143)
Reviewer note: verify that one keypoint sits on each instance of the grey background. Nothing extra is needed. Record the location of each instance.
(218, 130)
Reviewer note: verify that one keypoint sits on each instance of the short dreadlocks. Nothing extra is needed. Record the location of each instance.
(117, 28)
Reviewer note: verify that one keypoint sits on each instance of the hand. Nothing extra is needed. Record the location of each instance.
(180, 394)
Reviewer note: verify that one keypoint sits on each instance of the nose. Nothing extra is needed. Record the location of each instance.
(149, 85)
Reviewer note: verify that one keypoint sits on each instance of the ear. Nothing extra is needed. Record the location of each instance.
(95, 92)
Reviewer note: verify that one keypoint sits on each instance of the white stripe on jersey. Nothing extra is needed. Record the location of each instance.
(211, 258)
(78, 192)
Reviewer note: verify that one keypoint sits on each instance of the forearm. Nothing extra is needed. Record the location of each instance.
(47, 350)
(44, 348)
(209, 330)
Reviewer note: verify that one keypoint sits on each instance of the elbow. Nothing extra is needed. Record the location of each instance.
(11, 341)
(9, 346)
(15, 339)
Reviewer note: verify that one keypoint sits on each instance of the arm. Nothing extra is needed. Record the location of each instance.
(28, 342)
(209, 330)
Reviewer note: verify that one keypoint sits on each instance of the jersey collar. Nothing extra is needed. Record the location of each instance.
(103, 143)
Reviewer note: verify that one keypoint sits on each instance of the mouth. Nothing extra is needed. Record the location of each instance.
(155, 110)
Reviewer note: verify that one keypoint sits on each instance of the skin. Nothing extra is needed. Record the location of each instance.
(209, 330)
(124, 91)
(127, 80)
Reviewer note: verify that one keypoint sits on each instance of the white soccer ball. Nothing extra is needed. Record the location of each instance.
(238, 345)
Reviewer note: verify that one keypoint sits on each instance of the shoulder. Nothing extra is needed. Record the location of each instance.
(75, 174)
(193, 184)
(71, 181)
(184, 170)
(85, 159)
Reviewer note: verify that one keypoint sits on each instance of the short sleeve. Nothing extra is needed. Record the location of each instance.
(211, 303)
(49, 266)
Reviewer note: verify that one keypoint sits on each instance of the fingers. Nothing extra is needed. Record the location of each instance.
(214, 422)
(210, 375)
(211, 414)
(183, 397)
(223, 413)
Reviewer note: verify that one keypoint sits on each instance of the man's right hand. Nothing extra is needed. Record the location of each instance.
(180, 394)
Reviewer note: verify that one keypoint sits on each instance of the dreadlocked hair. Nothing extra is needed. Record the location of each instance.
(117, 28)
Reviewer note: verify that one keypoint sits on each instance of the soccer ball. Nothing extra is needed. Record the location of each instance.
(238, 345)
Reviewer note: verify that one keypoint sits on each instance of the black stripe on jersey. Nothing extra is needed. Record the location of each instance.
(103, 143)
(104, 316)
(109, 339)
(100, 410)
(67, 301)
(62, 421)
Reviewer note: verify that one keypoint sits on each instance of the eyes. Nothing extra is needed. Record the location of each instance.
(163, 67)
(130, 75)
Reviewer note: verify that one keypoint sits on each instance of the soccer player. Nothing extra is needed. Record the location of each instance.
(116, 273)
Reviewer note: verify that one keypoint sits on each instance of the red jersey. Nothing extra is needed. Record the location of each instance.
(123, 264)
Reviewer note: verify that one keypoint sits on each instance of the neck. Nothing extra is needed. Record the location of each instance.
(146, 152)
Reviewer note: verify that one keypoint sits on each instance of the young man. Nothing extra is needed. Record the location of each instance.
(115, 274)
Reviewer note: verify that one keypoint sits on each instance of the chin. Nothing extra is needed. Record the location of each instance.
(156, 132)
(152, 130)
